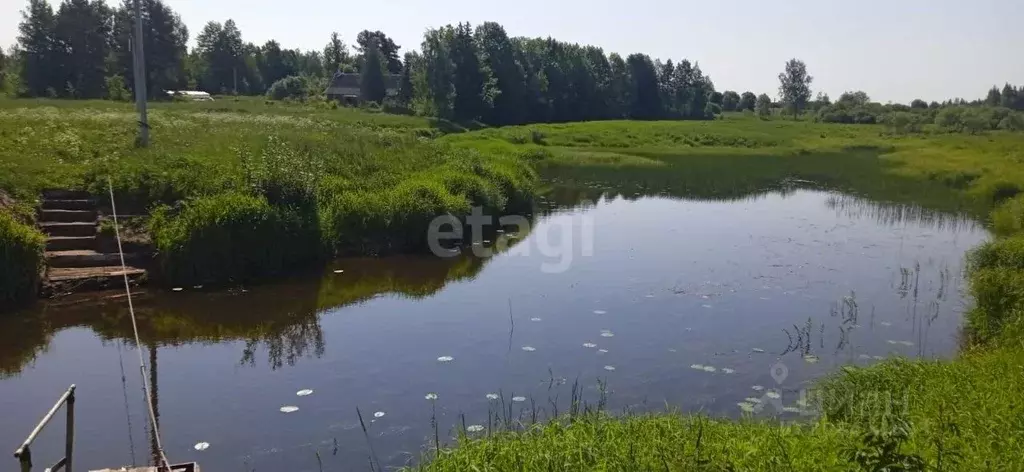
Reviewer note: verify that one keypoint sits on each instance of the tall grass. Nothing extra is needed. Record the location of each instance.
(21, 261)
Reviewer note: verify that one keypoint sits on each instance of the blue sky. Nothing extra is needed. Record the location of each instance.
(894, 50)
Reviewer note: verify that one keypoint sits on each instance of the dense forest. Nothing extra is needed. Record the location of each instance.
(83, 50)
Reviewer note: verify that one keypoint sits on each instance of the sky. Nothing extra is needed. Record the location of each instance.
(895, 50)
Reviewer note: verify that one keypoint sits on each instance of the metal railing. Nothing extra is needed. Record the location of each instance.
(24, 453)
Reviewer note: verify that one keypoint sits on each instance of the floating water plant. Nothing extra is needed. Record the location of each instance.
(529, 348)
(339, 271)
(431, 396)
(600, 312)
(746, 407)
(445, 359)
(757, 388)
(810, 359)
(177, 289)
(589, 345)
(304, 393)
(492, 396)
(726, 370)
(534, 319)
(202, 446)
(708, 368)
(519, 399)
(289, 409)
(609, 368)
(754, 400)
(791, 409)
(758, 350)
(773, 394)
(697, 366)
(602, 351)
(606, 333)
(379, 414)
(474, 428)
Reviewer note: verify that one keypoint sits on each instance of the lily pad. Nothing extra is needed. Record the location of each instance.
(289, 409)
(304, 393)
(202, 446)
(445, 359)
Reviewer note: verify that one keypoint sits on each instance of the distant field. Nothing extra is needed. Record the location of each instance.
(982, 168)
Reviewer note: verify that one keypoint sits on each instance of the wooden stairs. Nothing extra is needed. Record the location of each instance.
(70, 220)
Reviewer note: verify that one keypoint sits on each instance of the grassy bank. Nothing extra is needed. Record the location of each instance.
(228, 179)
(963, 414)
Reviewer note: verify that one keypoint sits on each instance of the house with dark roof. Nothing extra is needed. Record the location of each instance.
(344, 87)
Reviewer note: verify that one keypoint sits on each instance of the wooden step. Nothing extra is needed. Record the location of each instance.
(63, 274)
(68, 216)
(86, 258)
(80, 204)
(64, 194)
(69, 243)
(68, 229)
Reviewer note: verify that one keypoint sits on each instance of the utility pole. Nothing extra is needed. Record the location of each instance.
(139, 62)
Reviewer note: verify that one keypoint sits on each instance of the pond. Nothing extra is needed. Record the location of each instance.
(642, 300)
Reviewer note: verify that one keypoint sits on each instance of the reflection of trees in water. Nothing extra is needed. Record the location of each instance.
(282, 318)
(286, 345)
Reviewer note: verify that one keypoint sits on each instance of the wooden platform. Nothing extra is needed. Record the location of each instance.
(187, 467)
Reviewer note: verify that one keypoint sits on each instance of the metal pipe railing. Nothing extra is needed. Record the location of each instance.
(24, 453)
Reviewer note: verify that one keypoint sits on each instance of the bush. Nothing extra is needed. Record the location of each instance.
(948, 119)
(998, 296)
(232, 238)
(1005, 253)
(294, 87)
(116, 89)
(1008, 218)
(1012, 122)
(21, 260)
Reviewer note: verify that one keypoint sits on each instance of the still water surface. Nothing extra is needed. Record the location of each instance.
(812, 279)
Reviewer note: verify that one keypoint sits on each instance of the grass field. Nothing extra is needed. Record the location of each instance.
(329, 180)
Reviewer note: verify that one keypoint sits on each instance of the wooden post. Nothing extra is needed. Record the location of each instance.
(139, 61)
(25, 458)
(69, 438)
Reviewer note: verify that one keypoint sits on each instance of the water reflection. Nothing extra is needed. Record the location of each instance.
(280, 319)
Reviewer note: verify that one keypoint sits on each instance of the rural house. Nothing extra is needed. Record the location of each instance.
(345, 87)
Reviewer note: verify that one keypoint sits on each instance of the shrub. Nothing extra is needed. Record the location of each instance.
(21, 260)
(1008, 218)
(289, 87)
(1012, 122)
(116, 89)
(948, 119)
(1007, 253)
(998, 295)
(232, 237)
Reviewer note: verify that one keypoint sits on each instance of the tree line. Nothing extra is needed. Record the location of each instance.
(83, 49)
